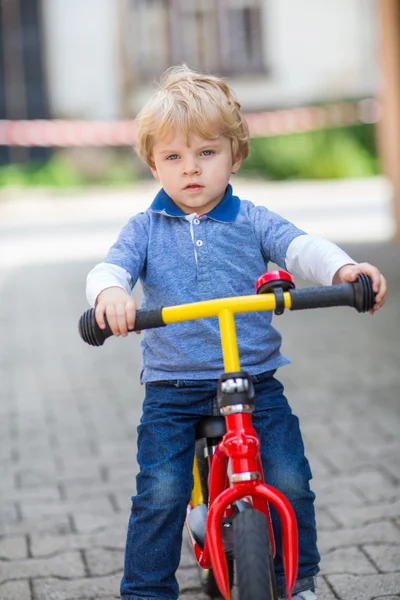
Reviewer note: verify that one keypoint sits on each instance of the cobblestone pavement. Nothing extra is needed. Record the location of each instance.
(68, 417)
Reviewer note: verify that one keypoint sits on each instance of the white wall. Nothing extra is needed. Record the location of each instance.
(316, 50)
(81, 58)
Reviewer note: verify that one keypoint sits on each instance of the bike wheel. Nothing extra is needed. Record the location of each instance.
(254, 563)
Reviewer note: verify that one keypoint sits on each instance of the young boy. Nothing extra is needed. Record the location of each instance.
(198, 241)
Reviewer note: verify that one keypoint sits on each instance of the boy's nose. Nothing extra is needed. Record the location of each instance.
(191, 167)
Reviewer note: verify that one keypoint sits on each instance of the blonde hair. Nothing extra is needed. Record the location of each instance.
(195, 104)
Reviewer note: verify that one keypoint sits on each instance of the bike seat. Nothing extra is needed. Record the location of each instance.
(211, 427)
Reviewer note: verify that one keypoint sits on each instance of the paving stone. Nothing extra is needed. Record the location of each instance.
(375, 485)
(67, 565)
(50, 493)
(45, 545)
(346, 560)
(325, 522)
(15, 590)
(101, 561)
(13, 547)
(385, 556)
(365, 587)
(124, 474)
(36, 478)
(119, 451)
(339, 455)
(333, 493)
(101, 506)
(85, 588)
(318, 433)
(80, 472)
(323, 591)
(87, 523)
(369, 432)
(349, 516)
(319, 467)
(371, 484)
(392, 466)
(384, 448)
(381, 532)
(7, 478)
(58, 524)
(8, 515)
(75, 491)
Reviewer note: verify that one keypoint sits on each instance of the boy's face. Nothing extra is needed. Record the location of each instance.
(195, 176)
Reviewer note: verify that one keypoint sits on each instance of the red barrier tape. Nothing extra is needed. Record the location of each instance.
(64, 133)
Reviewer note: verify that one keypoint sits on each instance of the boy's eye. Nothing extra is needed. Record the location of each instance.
(172, 157)
(207, 152)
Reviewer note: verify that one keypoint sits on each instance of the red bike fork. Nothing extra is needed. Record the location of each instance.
(285, 511)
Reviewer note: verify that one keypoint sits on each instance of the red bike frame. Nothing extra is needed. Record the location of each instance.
(240, 444)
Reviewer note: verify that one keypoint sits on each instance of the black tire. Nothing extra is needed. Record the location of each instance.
(254, 563)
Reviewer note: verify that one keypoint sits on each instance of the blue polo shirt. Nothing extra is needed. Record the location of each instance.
(181, 258)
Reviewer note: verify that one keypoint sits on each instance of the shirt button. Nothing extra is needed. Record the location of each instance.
(199, 243)
(196, 221)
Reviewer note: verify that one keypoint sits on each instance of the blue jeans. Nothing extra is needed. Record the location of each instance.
(166, 440)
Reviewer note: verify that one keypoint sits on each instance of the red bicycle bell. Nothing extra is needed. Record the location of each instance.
(270, 281)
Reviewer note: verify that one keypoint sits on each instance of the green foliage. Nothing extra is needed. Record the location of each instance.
(323, 154)
(55, 173)
(62, 172)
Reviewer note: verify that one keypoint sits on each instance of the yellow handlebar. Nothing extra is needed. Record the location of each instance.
(224, 309)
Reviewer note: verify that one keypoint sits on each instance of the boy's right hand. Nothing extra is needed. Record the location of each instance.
(119, 308)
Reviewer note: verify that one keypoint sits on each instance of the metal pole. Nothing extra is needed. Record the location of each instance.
(125, 68)
(389, 124)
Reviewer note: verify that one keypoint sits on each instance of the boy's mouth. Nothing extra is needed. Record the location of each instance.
(194, 187)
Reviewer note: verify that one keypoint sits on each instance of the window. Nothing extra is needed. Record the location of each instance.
(221, 36)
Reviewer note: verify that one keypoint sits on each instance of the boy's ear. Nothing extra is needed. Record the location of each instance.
(237, 163)
(154, 172)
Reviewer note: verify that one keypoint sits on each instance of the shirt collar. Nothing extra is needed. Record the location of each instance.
(226, 211)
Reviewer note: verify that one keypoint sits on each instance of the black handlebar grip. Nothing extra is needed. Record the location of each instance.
(359, 295)
(364, 295)
(148, 319)
(91, 333)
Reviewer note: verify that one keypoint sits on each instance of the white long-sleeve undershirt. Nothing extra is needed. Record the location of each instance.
(315, 259)
(310, 257)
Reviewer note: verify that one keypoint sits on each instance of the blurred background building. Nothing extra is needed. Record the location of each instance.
(98, 59)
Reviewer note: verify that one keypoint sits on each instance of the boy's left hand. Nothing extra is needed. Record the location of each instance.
(349, 273)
